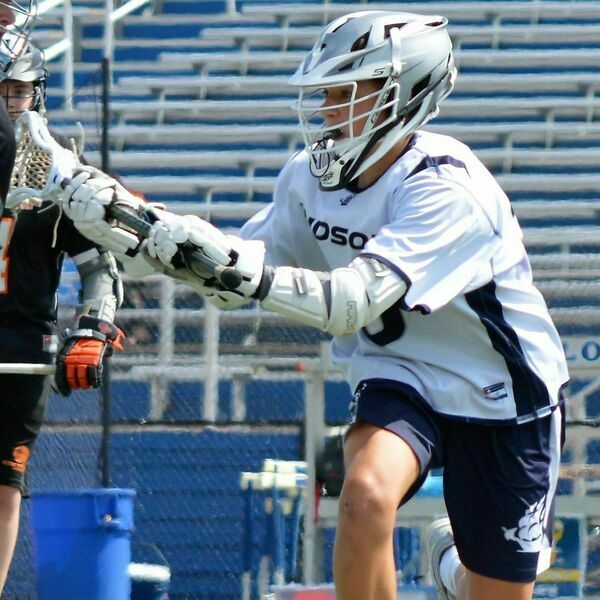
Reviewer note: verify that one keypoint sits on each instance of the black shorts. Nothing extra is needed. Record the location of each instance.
(23, 399)
(499, 480)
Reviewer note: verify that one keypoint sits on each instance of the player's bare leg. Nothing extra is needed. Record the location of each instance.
(10, 502)
(380, 468)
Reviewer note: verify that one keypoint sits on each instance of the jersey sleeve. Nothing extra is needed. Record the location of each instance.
(70, 240)
(439, 240)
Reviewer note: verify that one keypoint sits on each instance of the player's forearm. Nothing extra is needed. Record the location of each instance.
(340, 302)
(101, 290)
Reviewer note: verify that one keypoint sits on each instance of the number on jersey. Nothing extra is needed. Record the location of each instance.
(6, 228)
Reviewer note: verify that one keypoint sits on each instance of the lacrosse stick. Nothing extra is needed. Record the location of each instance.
(43, 168)
(26, 369)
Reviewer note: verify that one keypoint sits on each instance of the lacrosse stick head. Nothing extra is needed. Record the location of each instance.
(41, 163)
(17, 18)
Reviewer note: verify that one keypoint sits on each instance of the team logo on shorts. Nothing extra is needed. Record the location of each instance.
(529, 533)
(354, 402)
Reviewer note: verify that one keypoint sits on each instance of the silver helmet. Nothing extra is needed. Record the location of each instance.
(17, 18)
(409, 54)
(29, 67)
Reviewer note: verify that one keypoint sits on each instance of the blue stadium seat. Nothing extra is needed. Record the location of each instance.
(130, 400)
(185, 401)
(187, 7)
(82, 406)
(337, 402)
(274, 401)
(197, 530)
(593, 452)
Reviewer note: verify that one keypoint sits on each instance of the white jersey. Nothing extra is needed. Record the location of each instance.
(472, 335)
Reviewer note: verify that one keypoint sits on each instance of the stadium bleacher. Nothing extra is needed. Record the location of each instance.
(197, 86)
(512, 86)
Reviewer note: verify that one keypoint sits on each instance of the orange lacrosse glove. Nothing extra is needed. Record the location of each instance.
(79, 362)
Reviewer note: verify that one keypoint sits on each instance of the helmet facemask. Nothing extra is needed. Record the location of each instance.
(341, 145)
(14, 37)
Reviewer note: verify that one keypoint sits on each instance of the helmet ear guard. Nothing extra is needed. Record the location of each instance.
(421, 108)
(411, 53)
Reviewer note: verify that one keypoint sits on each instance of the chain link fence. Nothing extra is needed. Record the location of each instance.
(198, 397)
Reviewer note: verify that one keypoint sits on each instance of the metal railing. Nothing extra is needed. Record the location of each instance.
(167, 365)
(69, 45)
(112, 16)
(63, 47)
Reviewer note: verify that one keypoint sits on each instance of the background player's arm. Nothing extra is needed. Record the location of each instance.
(101, 289)
(94, 335)
(85, 200)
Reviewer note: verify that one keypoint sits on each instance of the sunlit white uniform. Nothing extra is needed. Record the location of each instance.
(472, 334)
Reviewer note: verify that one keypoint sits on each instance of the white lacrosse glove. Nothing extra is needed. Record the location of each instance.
(84, 200)
(172, 237)
(170, 232)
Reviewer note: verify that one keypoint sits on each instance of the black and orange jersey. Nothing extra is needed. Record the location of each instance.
(33, 246)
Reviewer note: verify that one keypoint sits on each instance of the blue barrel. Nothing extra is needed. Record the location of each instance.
(82, 541)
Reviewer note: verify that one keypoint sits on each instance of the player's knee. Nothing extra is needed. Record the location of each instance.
(365, 501)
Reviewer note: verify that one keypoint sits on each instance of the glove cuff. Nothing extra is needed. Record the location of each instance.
(99, 329)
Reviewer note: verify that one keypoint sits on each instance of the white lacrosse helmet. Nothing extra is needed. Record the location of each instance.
(30, 67)
(412, 56)
(17, 19)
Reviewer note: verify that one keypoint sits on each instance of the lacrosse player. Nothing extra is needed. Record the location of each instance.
(13, 38)
(402, 245)
(34, 238)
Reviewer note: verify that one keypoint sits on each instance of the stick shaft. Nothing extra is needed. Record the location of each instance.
(228, 276)
(26, 369)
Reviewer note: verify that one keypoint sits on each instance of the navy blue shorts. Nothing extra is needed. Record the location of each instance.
(499, 480)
